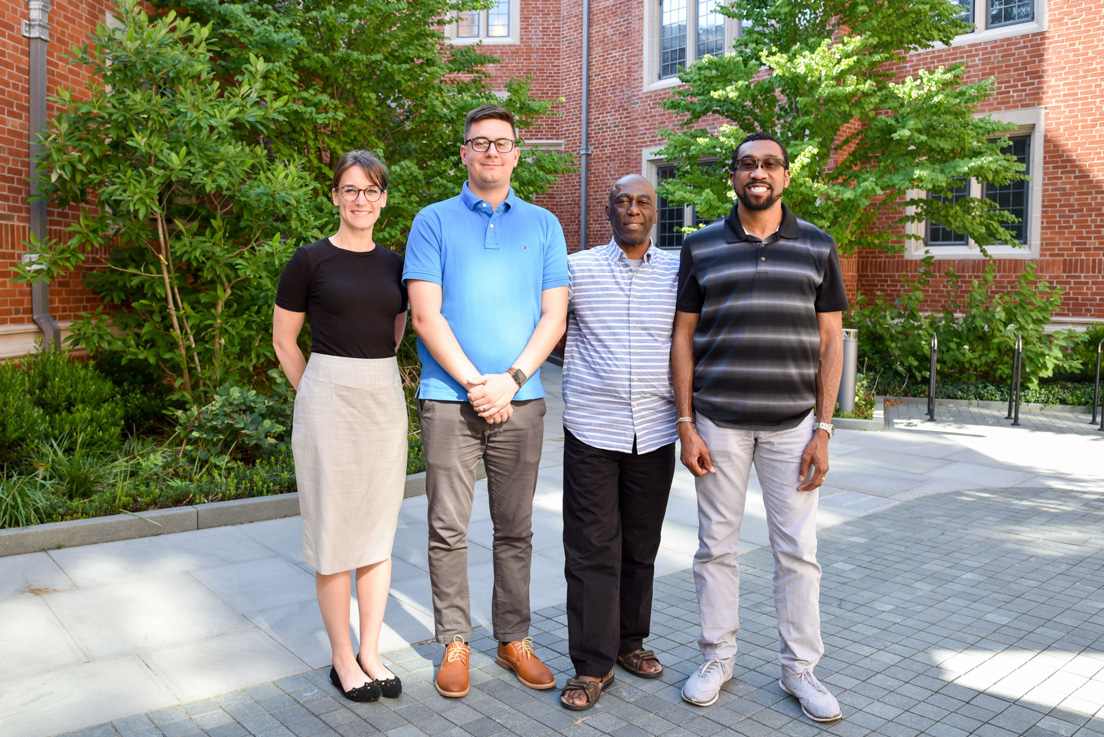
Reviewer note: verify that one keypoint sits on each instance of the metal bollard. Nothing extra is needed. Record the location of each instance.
(849, 377)
(934, 352)
(1011, 380)
(1017, 378)
(1096, 388)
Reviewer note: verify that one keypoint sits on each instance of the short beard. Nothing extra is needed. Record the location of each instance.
(766, 204)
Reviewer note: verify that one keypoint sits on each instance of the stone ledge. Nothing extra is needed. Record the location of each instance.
(876, 424)
(73, 533)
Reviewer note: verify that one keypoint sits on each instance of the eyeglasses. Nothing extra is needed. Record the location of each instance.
(502, 145)
(350, 194)
(769, 163)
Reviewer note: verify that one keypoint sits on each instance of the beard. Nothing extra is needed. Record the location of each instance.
(764, 204)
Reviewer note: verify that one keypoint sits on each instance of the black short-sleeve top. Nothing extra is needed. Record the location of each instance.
(351, 298)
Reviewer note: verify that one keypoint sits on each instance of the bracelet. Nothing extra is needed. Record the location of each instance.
(683, 419)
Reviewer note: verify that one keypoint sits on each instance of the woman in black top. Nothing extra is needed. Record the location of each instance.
(349, 436)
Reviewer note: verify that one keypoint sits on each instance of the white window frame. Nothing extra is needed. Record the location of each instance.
(513, 38)
(983, 33)
(652, 25)
(1028, 121)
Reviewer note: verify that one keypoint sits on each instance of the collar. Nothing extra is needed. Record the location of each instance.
(734, 231)
(615, 253)
(471, 201)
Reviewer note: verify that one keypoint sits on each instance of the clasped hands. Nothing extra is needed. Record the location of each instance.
(490, 395)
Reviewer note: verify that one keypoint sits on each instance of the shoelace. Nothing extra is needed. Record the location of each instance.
(456, 650)
(807, 678)
(711, 664)
(525, 648)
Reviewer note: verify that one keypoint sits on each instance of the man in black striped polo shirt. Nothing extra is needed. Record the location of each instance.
(757, 350)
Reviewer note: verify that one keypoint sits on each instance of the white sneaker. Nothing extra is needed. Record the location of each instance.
(703, 687)
(816, 702)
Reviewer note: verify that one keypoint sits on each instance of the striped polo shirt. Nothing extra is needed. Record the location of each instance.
(617, 368)
(757, 343)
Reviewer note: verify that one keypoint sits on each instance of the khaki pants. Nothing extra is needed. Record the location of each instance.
(455, 439)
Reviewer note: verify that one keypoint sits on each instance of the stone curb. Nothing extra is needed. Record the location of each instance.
(54, 535)
(876, 424)
(1067, 409)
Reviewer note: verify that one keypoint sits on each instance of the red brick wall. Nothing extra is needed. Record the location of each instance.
(1060, 70)
(69, 23)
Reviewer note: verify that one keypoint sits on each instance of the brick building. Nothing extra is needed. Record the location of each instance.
(1047, 57)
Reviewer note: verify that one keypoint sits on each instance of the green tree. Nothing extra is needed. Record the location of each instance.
(374, 74)
(863, 132)
(159, 159)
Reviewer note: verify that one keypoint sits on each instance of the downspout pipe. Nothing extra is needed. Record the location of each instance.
(37, 29)
(584, 146)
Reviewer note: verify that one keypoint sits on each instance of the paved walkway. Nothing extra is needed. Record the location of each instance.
(962, 595)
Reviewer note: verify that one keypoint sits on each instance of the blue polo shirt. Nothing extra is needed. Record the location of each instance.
(492, 266)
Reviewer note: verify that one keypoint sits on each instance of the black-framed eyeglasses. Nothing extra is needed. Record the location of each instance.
(371, 194)
(769, 163)
(481, 145)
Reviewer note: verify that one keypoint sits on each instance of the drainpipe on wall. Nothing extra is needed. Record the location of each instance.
(37, 29)
(584, 147)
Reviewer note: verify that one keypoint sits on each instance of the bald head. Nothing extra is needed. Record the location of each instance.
(631, 181)
(632, 213)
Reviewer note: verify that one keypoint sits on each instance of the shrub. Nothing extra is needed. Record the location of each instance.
(237, 423)
(50, 398)
(894, 337)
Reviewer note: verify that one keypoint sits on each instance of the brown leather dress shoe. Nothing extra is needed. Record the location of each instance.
(452, 677)
(519, 657)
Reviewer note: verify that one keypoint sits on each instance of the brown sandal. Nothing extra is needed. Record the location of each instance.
(592, 689)
(633, 662)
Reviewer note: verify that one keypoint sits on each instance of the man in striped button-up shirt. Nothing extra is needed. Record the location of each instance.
(619, 445)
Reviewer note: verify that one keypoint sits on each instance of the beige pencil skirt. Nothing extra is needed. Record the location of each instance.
(349, 439)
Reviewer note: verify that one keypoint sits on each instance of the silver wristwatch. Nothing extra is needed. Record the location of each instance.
(826, 427)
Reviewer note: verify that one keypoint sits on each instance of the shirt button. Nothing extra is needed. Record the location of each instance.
(492, 225)
(761, 258)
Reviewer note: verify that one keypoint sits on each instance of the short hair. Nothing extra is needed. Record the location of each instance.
(489, 112)
(760, 136)
(372, 165)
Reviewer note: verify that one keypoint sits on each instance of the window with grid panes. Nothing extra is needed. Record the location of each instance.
(671, 218)
(1013, 197)
(491, 23)
(689, 29)
(940, 235)
(1007, 12)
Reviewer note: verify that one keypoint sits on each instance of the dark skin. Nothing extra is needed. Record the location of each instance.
(631, 211)
(760, 215)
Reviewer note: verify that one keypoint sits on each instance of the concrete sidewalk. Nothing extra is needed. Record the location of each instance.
(978, 548)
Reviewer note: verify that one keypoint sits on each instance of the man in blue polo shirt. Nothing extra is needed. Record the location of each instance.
(487, 278)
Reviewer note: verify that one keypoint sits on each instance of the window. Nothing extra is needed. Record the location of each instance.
(671, 218)
(496, 25)
(994, 19)
(1021, 199)
(679, 31)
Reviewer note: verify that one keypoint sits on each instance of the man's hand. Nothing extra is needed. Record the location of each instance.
(816, 453)
(695, 455)
(493, 395)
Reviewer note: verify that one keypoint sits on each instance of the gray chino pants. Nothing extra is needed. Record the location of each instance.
(455, 439)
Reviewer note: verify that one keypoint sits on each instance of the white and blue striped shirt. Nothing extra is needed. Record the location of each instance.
(617, 364)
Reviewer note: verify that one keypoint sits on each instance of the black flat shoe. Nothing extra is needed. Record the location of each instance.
(390, 687)
(367, 693)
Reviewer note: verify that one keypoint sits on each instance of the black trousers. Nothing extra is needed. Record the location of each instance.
(613, 507)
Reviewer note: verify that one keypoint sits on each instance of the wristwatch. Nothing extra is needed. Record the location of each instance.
(517, 375)
(826, 427)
